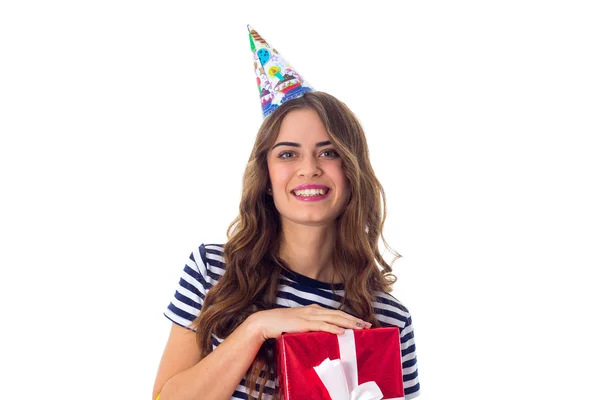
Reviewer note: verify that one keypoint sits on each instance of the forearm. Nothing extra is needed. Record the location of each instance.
(217, 375)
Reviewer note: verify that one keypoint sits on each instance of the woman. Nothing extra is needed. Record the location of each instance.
(298, 258)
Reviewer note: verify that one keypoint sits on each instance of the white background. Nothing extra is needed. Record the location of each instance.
(125, 128)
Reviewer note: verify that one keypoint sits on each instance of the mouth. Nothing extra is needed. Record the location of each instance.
(310, 192)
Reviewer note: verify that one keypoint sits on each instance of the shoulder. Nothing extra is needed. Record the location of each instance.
(207, 263)
(209, 257)
(203, 268)
(391, 311)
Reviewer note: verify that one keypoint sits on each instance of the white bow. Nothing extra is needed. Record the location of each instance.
(340, 377)
(332, 376)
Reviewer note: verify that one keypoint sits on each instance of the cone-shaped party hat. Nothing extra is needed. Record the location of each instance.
(277, 81)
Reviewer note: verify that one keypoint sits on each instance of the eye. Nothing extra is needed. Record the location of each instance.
(283, 153)
(330, 151)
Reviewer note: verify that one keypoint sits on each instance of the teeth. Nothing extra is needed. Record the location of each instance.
(310, 192)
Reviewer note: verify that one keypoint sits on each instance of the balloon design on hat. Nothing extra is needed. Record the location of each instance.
(277, 81)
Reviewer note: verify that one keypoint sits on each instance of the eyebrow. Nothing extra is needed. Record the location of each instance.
(294, 144)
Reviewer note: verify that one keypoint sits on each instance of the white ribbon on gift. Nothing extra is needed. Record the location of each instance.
(340, 377)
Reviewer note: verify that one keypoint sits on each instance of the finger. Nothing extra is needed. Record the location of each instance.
(342, 320)
(321, 326)
(315, 309)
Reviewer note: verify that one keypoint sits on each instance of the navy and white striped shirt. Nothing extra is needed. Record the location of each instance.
(206, 265)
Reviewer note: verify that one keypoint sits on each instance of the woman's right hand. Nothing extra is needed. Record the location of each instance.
(272, 323)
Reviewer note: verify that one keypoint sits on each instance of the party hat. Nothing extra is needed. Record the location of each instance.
(277, 81)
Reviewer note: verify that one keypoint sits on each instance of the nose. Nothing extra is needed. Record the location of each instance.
(309, 167)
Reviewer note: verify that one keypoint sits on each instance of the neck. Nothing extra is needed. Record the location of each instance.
(308, 250)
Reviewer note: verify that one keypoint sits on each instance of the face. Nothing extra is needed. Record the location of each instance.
(304, 155)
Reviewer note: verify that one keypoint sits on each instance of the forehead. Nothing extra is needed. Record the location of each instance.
(302, 126)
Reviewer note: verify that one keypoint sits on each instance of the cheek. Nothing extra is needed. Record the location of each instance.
(343, 184)
(280, 176)
(339, 178)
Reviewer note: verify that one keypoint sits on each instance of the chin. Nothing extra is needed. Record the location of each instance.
(315, 220)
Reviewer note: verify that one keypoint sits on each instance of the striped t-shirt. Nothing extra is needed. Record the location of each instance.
(206, 265)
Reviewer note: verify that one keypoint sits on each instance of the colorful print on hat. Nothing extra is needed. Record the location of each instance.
(277, 81)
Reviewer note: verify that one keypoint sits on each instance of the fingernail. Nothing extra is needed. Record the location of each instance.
(368, 324)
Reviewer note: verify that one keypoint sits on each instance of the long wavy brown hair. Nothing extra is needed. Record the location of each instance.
(251, 279)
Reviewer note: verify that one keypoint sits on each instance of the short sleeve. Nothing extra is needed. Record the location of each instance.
(190, 291)
(410, 372)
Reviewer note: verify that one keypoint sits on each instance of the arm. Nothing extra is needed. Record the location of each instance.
(226, 365)
(182, 376)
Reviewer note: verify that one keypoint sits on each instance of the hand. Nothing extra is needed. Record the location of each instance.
(272, 323)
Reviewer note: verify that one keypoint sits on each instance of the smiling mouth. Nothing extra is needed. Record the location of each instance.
(310, 192)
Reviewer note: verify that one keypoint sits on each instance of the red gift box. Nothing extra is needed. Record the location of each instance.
(372, 354)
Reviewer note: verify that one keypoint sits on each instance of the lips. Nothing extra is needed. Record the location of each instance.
(310, 186)
(325, 193)
(312, 195)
